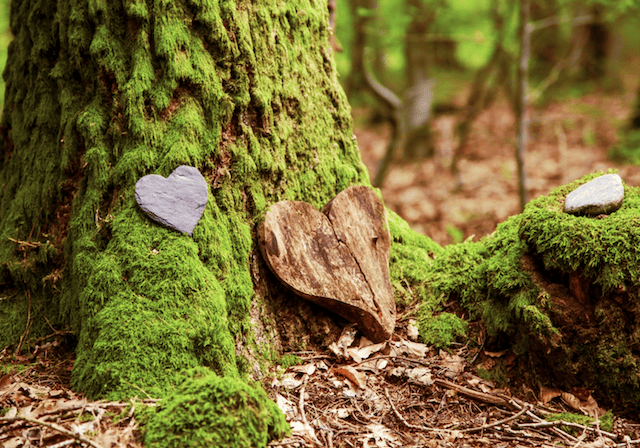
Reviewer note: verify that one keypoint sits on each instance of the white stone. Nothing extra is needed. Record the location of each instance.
(602, 195)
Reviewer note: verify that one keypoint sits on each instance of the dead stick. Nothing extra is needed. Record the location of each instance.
(556, 431)
(406, 423)
(499, 422)
(53, 426)
(480, 396)
(554, 423)
(303, 415)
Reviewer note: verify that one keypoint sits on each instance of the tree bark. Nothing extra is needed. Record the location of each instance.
(101, 93)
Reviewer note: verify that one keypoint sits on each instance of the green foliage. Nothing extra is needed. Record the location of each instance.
(207, 410)
(628, 149)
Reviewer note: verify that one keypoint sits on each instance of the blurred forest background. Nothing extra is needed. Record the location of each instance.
(437, 95)
(435, 87)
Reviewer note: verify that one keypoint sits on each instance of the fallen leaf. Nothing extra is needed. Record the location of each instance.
(495, 354)
(359, 379)
(411, 349)
(453, 363)
(5, 381)
(286, 406)
(547, 394)
(412, 330)
(358, 354)
(571, 400)
(421, 375)
(309, 369)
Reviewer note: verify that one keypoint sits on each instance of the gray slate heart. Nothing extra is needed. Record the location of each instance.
(177, 201)
(602, 195)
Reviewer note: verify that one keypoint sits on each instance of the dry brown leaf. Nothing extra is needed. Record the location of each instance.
(359, 379)
(5, 381)
(308, 369)
(571, 400)
(348, 335)
(421, 375)
(411, 349)
(547, 394)
(495, 354)
(454, 363)
(358, 354)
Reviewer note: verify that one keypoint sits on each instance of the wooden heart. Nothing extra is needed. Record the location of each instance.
(338, 259)
(177, 201)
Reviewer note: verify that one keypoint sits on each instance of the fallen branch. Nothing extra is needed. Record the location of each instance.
(406, 423)
(53, 426)
(499, 422)
(476, 395)
(554, 423)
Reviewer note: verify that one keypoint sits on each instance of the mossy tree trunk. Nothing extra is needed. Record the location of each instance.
(101, 93)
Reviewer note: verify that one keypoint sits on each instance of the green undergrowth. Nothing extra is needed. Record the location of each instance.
(208, 410)
(563, 290)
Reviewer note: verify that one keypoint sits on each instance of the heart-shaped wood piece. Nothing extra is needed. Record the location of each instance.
(177, 201)
(337, 258)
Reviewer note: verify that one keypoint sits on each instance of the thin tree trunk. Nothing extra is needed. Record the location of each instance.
(521, 101)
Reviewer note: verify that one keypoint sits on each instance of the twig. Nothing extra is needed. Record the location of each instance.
(27, 328)
(406, 423)
(476, 395)
(303, 415)
(555, 423)
(26, 243)
(551, 21)
(499, 422)
(53, 426)
(556, 431)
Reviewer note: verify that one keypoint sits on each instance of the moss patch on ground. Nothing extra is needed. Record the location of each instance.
(208, 410)
(563, 290)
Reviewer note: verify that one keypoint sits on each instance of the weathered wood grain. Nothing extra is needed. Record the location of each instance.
(337, 258)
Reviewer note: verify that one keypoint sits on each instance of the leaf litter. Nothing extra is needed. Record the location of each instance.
(38, 409)
(405, 394)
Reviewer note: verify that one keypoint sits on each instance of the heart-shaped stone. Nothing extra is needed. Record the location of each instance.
(177, 201)
(337, 258)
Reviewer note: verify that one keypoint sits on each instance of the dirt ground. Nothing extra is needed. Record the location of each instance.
(568, 139)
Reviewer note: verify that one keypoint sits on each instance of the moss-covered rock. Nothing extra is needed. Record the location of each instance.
(564, 289)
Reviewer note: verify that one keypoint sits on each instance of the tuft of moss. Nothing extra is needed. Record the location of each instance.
(606, 421)
(208, 410)
(441, 330)
(289, 360)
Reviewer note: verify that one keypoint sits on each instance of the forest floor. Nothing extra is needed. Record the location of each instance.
(401, 393)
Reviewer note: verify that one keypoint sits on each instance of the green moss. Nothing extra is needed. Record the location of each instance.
(442, 329)
(289, 360)
(208, 410)
(562, 289)
(606, 421)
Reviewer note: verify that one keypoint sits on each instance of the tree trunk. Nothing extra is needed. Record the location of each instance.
(99, 94)
(419, 95)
